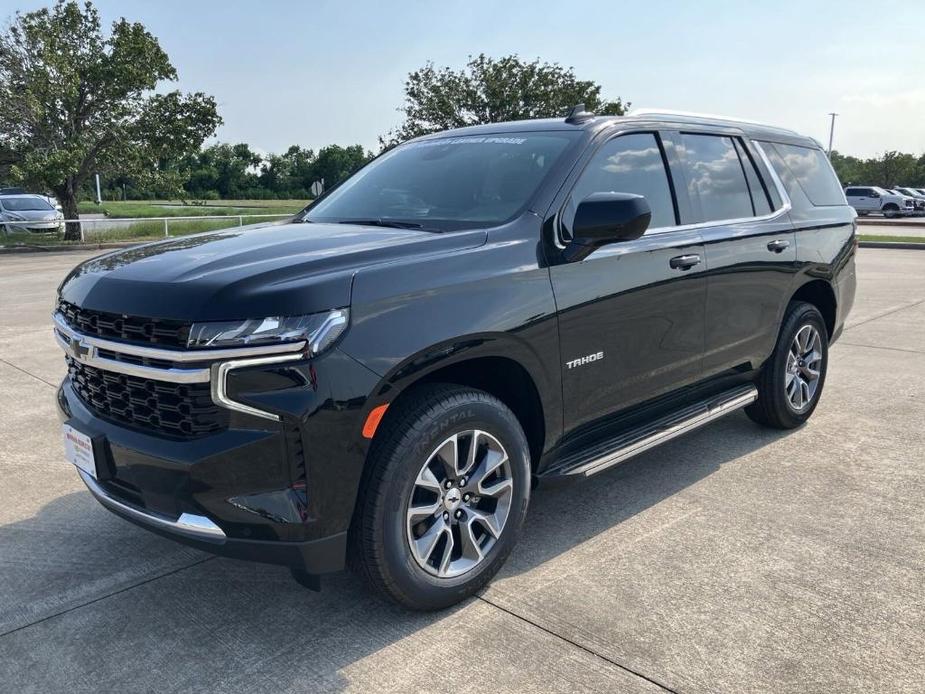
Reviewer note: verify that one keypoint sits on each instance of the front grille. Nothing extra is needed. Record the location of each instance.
(115, 326)
(176, 409)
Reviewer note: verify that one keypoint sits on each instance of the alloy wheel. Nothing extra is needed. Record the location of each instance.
(804, 364)
(459, 504)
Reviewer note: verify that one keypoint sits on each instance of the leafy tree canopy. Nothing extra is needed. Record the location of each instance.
(887, 170)
(490, 90)
(74, 102)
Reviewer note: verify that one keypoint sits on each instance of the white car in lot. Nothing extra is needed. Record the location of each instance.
(917, 196)
(867, 199)
(29, 213)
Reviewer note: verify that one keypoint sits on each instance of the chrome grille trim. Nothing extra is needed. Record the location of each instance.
(212, 365)
(174, 355)
(88, 354)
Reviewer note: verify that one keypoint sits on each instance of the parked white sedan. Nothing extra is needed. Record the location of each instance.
(29, 213)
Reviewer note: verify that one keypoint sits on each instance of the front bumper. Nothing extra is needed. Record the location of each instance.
(319, 556)
(273, 490)
(37, 227)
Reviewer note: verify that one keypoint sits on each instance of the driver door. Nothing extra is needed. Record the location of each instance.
(631, 315)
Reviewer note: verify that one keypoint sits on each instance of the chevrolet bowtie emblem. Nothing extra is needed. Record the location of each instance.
(79, 348)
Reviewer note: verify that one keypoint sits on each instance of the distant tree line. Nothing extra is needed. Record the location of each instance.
(888, 170)
(225, 171)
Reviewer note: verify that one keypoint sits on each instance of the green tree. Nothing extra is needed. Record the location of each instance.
(335, 163)
(490, 90)
(74, 102)
(849, 169)
(229, 171)
(891, 169)
(288, 174)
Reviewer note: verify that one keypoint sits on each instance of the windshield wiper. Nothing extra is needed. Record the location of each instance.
(380, 222)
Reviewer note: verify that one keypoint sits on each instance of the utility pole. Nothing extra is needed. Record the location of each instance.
(831, 133)
(99, 198)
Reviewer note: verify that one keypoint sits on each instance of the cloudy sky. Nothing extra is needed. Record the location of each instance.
(314, 73)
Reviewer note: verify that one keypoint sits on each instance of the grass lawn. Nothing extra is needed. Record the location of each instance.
(240, 212)
(174, 208)
(891, 238)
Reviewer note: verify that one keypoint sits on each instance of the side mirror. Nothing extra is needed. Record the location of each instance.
(603, 218)
(875, 194)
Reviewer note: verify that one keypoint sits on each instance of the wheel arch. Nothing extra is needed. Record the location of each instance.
(820, 294)
(499, 365)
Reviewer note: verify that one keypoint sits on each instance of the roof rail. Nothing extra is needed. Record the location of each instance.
(577, 114)
(669, 113)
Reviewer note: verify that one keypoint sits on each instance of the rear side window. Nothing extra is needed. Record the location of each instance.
(812, 172)
(715, 177)
(627, 164)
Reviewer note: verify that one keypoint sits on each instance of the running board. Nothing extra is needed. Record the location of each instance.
(616, 450)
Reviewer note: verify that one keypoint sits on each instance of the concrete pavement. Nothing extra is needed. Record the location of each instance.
(733, 559)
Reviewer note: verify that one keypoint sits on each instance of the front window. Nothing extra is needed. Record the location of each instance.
(447, 183)
(25, 204)
(631, 163)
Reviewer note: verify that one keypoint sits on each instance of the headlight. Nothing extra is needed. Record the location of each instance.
(320, 330)
(13, 217)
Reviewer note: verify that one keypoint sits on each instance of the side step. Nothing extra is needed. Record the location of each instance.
(624, 446)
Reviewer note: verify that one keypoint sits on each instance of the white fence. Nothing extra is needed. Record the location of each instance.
(91, 226)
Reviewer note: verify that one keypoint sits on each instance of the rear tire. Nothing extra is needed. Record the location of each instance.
(791, 380)
(434, 520)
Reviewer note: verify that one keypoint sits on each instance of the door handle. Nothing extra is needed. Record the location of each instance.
(778, 245)
(684, 262)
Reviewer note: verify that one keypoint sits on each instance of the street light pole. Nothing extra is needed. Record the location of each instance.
(831, 133)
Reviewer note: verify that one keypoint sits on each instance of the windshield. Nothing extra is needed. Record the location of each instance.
(447, 183)
(25, 204)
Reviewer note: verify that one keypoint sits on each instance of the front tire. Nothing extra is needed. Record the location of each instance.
(791, 381)
(443, 499)
(891, 211)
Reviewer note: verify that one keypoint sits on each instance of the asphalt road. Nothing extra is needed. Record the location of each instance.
(733, 559)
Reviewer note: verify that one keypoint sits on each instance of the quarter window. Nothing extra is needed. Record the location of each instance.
(812, 171)
(627, 164)
(715, 177)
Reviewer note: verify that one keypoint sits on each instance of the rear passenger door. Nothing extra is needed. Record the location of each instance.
(750, 247)
(631, 315)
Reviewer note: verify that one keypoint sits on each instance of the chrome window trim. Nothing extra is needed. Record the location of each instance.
(773, 173)
(784, 209)
(187, 524)
(220, 371)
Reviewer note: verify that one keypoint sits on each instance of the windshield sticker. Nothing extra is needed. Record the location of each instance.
(469, 141)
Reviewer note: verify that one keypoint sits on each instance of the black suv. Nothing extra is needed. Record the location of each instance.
(381, 382)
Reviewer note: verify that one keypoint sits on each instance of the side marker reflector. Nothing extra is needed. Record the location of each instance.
(373, 419)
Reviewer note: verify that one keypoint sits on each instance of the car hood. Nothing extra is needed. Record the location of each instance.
(288, 269)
